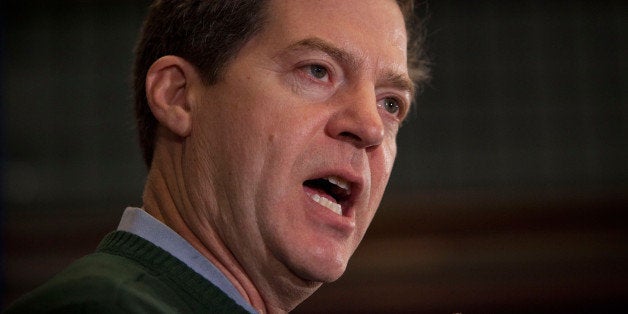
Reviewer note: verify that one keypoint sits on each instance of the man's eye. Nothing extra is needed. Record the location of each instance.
(391, 105)
(318, 71)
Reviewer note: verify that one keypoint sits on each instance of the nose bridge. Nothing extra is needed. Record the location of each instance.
(358, 120)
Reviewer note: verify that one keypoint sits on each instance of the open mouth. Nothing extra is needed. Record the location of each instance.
(331, 192)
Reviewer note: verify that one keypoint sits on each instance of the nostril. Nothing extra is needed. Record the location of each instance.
(350, 136)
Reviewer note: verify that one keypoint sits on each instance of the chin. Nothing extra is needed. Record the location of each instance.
(319, 276)
(321, 270)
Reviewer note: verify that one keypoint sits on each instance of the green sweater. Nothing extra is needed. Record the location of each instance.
(127, 274)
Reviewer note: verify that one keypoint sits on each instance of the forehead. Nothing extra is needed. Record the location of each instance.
(371, 29)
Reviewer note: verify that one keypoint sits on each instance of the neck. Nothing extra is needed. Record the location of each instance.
(167, 199)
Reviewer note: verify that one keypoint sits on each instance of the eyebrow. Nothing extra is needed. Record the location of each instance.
(400, 82)
(390, 78)
(333, 51)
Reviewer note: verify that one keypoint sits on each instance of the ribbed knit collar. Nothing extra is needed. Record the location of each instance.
(157, 260)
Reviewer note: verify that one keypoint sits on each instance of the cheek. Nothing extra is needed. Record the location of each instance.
(381, 163)
(389, 152)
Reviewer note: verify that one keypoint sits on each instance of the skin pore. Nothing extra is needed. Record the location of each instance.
(317, 96)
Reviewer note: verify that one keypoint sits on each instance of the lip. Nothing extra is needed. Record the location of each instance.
(346, 222)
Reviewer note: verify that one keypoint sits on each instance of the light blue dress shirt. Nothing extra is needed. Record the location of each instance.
(142, 224)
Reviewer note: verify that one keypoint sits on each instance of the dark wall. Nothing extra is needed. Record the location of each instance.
(525, 94)
(68, 115)
(513, 164)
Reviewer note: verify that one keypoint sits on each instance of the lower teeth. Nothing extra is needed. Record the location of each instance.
(334, 207)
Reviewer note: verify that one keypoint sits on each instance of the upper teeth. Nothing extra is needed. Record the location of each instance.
(339, 182)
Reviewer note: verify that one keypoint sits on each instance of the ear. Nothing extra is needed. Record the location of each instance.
(168, 83)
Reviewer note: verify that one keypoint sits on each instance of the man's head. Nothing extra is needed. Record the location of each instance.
(209, 33)
(281, 153)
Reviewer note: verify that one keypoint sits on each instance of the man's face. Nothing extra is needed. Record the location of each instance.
(290, 152)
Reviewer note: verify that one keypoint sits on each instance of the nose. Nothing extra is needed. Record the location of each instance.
(357, 120)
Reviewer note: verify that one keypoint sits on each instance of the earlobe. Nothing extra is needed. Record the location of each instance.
(167, 86)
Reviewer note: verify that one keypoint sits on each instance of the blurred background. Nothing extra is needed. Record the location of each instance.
(509, 194)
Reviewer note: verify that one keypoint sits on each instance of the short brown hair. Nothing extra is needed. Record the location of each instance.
(208, 34)
(418, 60)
